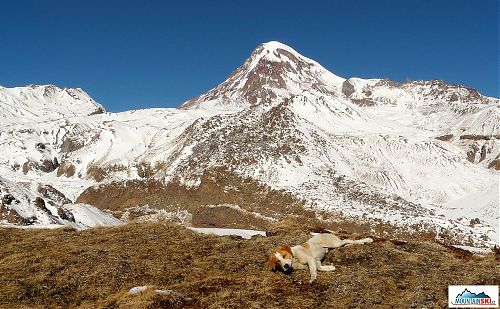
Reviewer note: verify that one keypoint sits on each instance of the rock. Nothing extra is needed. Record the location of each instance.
(40, 203)
(55, 163)
(347, 88)
(65, 214)
(474, 222)
(54, 196)
(7, 199)
(40, 147)
(46, 166)
(67, 169)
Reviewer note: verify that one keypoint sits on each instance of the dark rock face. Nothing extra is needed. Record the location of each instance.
(40, 203)
(9, 214)
(40, 147)
(347, 88)
(364, 102)
(445, 138)
(98, 111)
(388, 83)
(65, 214)
(495, 164)
(475, 221)
(53, 196)
(478, 151)
(7, 199)
(55, 162)
(448, 92)
(12, 216)
(46, 166)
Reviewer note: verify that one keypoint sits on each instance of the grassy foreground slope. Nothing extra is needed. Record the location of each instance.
(95, 268)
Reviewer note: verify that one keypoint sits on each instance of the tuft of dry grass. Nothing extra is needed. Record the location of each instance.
(95, 268)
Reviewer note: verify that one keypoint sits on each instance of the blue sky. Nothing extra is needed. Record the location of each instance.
(138, 54)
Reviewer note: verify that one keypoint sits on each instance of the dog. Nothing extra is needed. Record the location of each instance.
(309, 254)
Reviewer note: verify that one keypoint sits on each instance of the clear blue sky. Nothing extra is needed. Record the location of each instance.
(137, 54)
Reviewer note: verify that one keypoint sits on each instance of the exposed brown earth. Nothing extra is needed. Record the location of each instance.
(495, 164)
(217, 187)
(478, 137)
(67, 169)
(95, 268)
(224, 199)
(446, 137)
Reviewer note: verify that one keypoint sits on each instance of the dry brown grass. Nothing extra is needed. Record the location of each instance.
(95, 269)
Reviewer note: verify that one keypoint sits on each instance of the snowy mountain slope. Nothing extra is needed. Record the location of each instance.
(452, 113)
(478, 134)
(44, 102)
(87, 148)
(72, 153)
(285, 150)
(31, 204)
(368, 149)
(377, 133)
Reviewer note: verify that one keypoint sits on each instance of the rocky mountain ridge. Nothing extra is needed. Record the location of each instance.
(405, 154)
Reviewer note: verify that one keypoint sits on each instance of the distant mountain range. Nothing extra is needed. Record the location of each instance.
(419, 156)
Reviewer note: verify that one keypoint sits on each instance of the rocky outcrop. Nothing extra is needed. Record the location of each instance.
(66, 169)
(54, 196)
(65, 214)
(347, 88)
(46, 166)
(9, 214)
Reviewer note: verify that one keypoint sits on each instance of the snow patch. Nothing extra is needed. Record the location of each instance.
(87, 216)
(246, 234)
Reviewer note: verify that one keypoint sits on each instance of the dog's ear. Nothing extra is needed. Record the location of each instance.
(271, 263)
(286, 248)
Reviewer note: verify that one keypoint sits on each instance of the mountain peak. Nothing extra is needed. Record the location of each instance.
(277, 53)
(272, 45)
(45, 102)
(273, 48)
(273, 70)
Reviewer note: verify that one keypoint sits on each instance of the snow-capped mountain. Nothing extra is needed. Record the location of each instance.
(273, 72)
(44, 102)
(406, 154)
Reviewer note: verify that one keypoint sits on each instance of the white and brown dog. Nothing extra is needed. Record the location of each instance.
(310, 253)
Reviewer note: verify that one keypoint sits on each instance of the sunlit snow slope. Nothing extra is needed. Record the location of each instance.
(413, 154)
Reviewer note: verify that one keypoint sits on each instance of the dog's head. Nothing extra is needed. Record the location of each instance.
(282, 258)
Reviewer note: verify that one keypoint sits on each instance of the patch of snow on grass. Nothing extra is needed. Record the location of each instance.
(247, 234)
